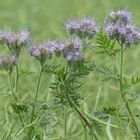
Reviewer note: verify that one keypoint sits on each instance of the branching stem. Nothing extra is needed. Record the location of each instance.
(122, 93)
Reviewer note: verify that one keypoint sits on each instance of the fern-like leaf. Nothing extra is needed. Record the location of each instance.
(105, 45)
(135, 80)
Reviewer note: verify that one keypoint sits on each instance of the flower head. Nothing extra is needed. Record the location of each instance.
(82, 27)
(45, 50)
(73, 49)
(40, 52)
(120, 27)
(120, 16)
(55, 46)
(7, 63)
(14, 40)
(23, 36)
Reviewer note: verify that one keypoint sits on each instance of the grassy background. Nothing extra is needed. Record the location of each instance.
(45, 19)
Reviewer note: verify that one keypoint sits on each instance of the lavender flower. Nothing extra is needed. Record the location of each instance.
(45, 50)
(7, 63)
(121, 28)
(23, 36)
(40, 52)
(120, 16)
(82, 27)
(73, 50)
(55, 46)
(14, 40)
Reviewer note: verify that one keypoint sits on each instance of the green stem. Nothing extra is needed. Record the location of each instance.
(65, 122)
(11, 86)
(36, 94)
(72, 104)
(123, 96)
(85, 130)
(12, 90)
(16, 79)
(35, 100)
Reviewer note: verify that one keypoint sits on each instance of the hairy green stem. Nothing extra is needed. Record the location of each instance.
(122, 93)
(35, 100)
(11, 86)
(85, 130)
(13, 93)
(72, 104)
(16, 79)
(36, 94)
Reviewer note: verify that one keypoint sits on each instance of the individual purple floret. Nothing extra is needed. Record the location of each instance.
(82, 27)
(15, 40)
(73, 50)
(120, 16)
(7, 63)
(125, 33)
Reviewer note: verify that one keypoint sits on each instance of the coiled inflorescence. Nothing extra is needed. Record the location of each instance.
(7, 63)
(82, 27)
(14, 40)
(45, 50)
(119, 26)
(120, 16)
(73, 49)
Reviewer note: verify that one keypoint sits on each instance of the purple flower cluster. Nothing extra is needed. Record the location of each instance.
(71, 49)
(118, 25)
(14, 40)
(45, 50)
(40, 52)
(7, 63)
(120, 16)
(82, 27)
(55, 46)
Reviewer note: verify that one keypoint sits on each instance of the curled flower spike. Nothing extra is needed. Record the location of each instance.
(40, 52)
(73, 50)
(82, 27)
(45, 50)
(7, 63)
(14, 40)
(121, 28)
(55, 46)
(127, 34)
(120, 16)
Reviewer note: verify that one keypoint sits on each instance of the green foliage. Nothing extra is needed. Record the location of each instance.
(23, 17)
(106, 112)
(81, 68)
(135, 80)
(65, 81)
(109, 74)
(19, 108)
(111, 110)
(97, 127)
(24, 73)
(105, 45)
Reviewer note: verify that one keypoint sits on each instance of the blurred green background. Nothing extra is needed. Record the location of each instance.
(45, 20)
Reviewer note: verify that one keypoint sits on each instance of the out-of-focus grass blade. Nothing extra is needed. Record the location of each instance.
(100, 121)
(108, 129)
(4, 135)
(10, 132)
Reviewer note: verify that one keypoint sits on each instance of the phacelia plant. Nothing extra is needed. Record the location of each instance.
(38, 119)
